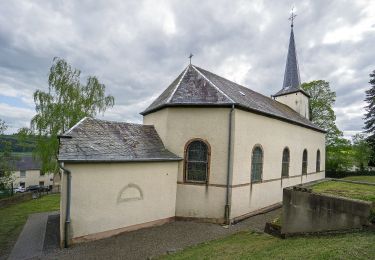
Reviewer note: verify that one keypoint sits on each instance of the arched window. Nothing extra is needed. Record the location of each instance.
(196, 161)
(318, 161)
(285, 163)
(256, 164)
(304, 162)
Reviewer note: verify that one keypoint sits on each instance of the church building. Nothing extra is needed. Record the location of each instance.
(208, 150)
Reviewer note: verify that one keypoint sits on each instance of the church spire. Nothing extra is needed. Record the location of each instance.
(292, 80)
(291, 93)
(291, 76)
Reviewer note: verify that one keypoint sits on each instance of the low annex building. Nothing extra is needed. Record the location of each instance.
(208, 149)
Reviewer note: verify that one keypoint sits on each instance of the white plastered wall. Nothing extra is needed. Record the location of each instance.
(297, 101)
(176, 126)
(273, 136)
(110, 196)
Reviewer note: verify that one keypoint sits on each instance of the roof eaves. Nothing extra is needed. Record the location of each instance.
(186, 105)
(280, 118)
(218, 89)
(121, 160)
(291, 92)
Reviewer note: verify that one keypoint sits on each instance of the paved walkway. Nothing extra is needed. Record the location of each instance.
(150, 242)
(30, 241)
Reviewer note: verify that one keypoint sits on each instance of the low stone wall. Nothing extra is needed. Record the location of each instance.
(307, 212)
(15, 199)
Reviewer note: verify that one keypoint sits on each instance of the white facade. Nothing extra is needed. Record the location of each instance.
(207, 201)
(26, 178)
(298, 101)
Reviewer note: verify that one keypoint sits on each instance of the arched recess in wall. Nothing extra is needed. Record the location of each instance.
(131, 192)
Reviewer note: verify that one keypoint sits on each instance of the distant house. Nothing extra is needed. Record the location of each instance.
(27, 172)
(209, 150)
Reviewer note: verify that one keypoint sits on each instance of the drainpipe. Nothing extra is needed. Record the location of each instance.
(229, 172)
(68, 199)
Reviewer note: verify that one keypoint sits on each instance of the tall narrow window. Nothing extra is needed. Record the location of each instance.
(318, 161)
(256, 164)
(196, 162)
(285, 163)
(304, 162)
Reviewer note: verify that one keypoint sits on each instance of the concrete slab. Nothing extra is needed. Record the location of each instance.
(31, 240)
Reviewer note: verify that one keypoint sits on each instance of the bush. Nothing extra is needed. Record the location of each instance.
(343, 174)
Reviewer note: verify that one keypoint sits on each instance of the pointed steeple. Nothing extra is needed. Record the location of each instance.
(292, 80)
(291, 76)
(291, 93)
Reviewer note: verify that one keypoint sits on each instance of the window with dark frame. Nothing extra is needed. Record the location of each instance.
(196, 162)
(318, 161)
(22, 174)
(285, 163)
(256, 164)
(304, 162)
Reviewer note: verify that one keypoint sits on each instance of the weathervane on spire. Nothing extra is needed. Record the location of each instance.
(292, 17)
(190, 56)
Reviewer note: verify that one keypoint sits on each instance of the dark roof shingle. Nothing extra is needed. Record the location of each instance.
(27, 163)
(99, 140)
(196, 86)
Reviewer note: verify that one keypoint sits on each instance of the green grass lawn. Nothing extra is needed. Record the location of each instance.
(12, 218)
(361, 178)
(345, 189)
(250, 245)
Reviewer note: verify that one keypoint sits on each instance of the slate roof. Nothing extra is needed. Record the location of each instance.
(199, 87)
(27, 163)
(292, 81)
(93, 140)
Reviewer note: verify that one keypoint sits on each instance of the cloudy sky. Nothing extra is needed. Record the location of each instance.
(137, 48)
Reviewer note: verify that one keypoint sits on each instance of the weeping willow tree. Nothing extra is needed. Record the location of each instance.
(65, 103)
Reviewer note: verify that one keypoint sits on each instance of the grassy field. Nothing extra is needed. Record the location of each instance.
(344, 189)
(361, 178)
(13, 218)
(250, 245)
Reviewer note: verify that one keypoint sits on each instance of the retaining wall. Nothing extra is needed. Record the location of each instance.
(306, 212)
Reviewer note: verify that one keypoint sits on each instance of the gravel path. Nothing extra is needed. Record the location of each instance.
(146, 243)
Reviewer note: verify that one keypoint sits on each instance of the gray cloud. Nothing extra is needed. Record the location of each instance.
(137, 48)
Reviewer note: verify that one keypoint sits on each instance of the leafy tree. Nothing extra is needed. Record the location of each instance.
(361, 151)
(7, 160)
(339, 155)
(65, 103)
(370, 116)
(321, 109)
